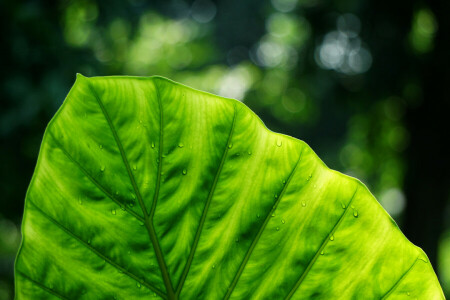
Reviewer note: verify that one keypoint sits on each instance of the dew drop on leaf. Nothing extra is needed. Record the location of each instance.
(279, 143)
(283, 221)
(89, 241)
(249, 152)
(100, 146)
(332, 238)
(113, 211)
(138, 284)
(230, 145)
(258, 216)
(153, 145)
(102, 168)
(184, 172)
(284, 181)
(278, 228)
(180, 145)
(213, 266)
(134, 167)
(355, 213)
(303, 203)
(343, 205)
(321, 253)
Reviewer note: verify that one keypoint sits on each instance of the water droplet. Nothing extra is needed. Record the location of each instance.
(230, 145)
(184, 172)
(89, 241)
(131, 204)
(180, 145)
(213, 266)
(237, 154)
(284, 181)
(133, 196)
(332, 238)
(309, 177)
(303, 203)
(134, 167)
(343, 205)
(273, 214)
(352, 206)
(138, 284)
(321, 253)
(279, 143)
(100, 146)
(355, 213)
(51, 286)
(258, 216)
(278, 228)
(141, 223)
(283, 221)
(153, 145)
(113, 211)
(154, 294)
(249, 152)
(102, 168)
(117, 192)
(79, 201)
(276, 196)
(408, 293)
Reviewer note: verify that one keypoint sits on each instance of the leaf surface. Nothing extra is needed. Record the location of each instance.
(145, 188)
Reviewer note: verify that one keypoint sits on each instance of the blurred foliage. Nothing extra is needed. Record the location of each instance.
(345, 76)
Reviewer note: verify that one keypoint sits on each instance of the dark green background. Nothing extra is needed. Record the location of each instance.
(365, 83)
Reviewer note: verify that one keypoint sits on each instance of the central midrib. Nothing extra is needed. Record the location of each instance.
(147, 219)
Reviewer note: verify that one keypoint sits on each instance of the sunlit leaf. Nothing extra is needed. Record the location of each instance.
(147, 188)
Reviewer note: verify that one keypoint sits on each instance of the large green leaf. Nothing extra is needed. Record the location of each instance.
(148, 188)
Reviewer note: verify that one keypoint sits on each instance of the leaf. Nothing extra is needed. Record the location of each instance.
(147, 188)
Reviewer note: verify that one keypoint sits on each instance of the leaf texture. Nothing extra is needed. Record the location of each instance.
(145, 188)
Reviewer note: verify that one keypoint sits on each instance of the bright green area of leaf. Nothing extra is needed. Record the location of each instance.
(148, 188)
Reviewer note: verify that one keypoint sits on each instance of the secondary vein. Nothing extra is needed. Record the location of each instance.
(96, 183)
(260, 232)
(391, 290)
(324, 243)
(43, 287)
(205, 209)
(95, 251)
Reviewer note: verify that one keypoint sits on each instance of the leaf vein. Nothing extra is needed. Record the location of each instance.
(96, 183)
(206, 207)
(48, 290)
(260, 232)
(148, 224)
(95, 251)
(324, 243)
(392, 289)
